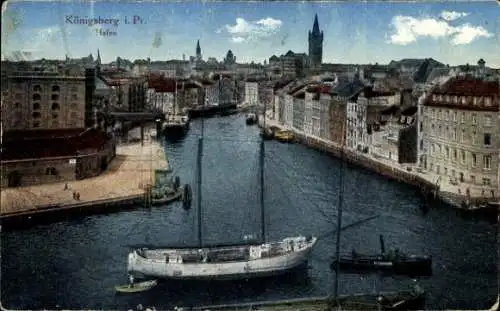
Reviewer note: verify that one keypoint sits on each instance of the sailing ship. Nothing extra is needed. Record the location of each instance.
(393, 261)
(175, 123)
(250, 259)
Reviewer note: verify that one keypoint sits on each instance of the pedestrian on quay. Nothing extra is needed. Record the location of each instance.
(74, 195)
(78, 196)
(66, 187)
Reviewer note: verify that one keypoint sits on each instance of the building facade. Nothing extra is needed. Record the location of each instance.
(251, 93)
(32, 158)
(458, 135)
(38, 100)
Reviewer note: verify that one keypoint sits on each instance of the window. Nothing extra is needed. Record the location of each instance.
(55, 106)
(463, 116)
(56, 88)
(474, 160)
(472, 179)
(487, 162)
(487, 101)
(455, 133)
(462, 137)
(455, 116)
(18, 96)
(36, 115)
(461, 177)
(487, 120)
(54, 116)
(440, 130)
(421, 126)
(55, 97)
(36, 124)
(454, 154)
(74, 89)
(486, 181)
(474, 118)
(75, 97)
(487, 139)
(453, 173)
(446, 171)
(474, 135)
(17, 105)
(463, 156)
(37, 97)
(447, 150)
(437, 169)
(37, 88)
(433, 148)
(36, 106)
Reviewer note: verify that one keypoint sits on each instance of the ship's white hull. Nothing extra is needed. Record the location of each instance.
(244, 269)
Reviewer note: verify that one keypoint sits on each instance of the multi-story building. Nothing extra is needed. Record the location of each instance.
(288, 110)
(251, 92)
(325, 100)
(311, 96)
(458, 135)
(298, 111)
(341, 95)
(210, 92)
(48, 100)
(356, 133)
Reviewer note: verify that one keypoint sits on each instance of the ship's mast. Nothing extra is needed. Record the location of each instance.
(199, 167)
(262, 210)
(175, 98)
(339, 221)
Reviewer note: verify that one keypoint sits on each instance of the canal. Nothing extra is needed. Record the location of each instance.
(76, 264)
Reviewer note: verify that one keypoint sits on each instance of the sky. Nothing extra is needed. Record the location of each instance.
(354, 32)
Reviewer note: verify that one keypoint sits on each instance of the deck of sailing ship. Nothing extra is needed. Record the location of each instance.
(233, 262)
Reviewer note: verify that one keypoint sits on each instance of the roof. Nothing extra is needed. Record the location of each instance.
(468, 86)
(282, 83)
(424, 71)
(161, 84)
(393, 109)
(438, 72)
(350, 89)
(369, 92)
(100, 84)
(409, 111)
(51, 143)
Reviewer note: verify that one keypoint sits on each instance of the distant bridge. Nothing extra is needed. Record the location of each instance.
(137, 116)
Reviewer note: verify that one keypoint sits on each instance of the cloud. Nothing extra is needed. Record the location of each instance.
(244, 31)
(452, 15)
(408, 29)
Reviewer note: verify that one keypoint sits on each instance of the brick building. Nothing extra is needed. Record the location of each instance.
(45, 156)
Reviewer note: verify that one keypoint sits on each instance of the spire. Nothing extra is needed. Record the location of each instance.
(98, 57)
(198, 49)
(316, 25)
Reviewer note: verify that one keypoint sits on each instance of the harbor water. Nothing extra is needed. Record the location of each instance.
(76, 264)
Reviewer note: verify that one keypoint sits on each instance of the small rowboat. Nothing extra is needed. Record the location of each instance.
(138, 287)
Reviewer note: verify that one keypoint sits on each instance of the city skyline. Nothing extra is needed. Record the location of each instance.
(453, 33)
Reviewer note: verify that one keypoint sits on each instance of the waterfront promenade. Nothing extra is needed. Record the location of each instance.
(124, 180)
(410, 173)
